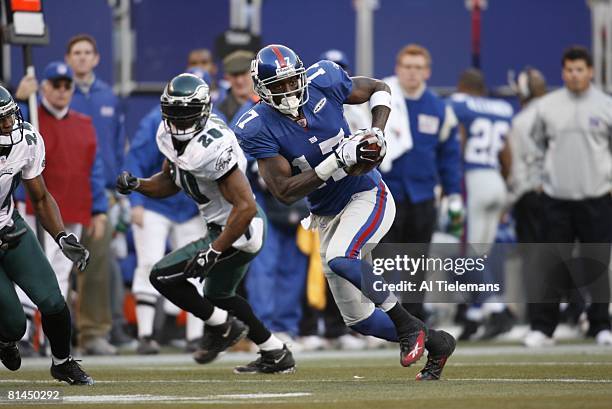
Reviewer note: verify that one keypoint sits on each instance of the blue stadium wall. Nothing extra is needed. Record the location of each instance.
(515, 33)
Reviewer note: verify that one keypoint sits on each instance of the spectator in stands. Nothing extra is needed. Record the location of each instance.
(573, 132)
(423, 150)
(73, 171)
(240, 96)
(95, 98)
(202, 59)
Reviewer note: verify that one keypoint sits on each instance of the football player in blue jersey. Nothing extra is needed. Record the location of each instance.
(303, 147)
(484, 125)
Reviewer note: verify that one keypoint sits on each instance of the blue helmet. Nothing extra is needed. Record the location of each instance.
(275, 63)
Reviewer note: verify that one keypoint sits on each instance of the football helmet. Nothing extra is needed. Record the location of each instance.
(11, 120)
(185, 106)
(276, 63)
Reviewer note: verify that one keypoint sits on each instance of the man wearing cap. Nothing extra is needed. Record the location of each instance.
(240, 96)
(73, 172)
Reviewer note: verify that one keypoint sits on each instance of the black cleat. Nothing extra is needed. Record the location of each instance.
(71, 372)
(218, 338)
(435, 362)
(270, 362)
(498, 323)
(9, 355)
(470, 327)
(412, 346)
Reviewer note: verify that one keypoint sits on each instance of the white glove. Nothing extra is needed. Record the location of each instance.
(352, 150)
(380, 136)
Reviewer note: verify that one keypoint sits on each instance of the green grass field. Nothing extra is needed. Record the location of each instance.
(570, 376)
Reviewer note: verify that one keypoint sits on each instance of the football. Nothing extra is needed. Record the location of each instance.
(361, 168)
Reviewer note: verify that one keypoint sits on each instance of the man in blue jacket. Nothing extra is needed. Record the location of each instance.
(423, 151)
(95, 98)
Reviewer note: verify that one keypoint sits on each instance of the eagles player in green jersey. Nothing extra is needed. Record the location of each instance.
(22, 261)
(203, 158)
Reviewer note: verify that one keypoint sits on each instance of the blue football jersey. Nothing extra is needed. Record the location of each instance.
(487, 123)
(263, 132)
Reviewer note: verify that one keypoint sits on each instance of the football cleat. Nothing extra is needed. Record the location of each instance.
(498, 323)
(435, 362)
(470, 327)
(147, 346)
(9, 355)
(270, 362)
(218, 338)
(412, 346)
(71, 372)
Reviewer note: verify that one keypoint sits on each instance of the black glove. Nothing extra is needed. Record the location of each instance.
(126, 183)
(73, 249)
(202, 263)
(10, 237)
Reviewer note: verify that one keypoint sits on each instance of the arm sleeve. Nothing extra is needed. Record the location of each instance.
(254, 142)
(36, 165)
(96, 180)
(449, 155)
(331, 79)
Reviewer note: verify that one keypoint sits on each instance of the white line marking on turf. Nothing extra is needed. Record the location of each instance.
(527, 380)
(178, 399)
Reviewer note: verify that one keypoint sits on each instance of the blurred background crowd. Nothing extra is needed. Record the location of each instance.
(504, 177)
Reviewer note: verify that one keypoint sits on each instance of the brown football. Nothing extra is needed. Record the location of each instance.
(361, 168)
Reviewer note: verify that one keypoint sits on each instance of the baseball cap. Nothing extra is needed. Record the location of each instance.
(238, 62)
(57, 70)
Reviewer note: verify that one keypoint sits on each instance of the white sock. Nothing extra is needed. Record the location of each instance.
(194, 328)
(271, 344)
(145, 314)
(57, 361)
(218, 317)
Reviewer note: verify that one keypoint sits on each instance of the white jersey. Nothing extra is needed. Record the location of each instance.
(26, 160)
(208, 157)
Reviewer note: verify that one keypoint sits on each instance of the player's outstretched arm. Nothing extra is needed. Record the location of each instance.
(236, 190)
(157, 186)
(45, 206)
(48, 213)
(378, 93)
(276, 172)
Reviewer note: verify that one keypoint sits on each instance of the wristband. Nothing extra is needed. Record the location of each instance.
(380, 98)
(59, 236)
(326, 169)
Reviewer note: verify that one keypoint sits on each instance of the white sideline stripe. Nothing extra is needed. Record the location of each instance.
(179, 399)
(530, 380)
(258, 381)
(544, 363)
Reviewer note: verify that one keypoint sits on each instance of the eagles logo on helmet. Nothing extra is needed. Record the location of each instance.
(185, 106)
(275, 64)
(11, 119)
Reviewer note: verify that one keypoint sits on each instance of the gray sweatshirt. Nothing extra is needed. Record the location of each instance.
(526, 157)
(573, 133)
